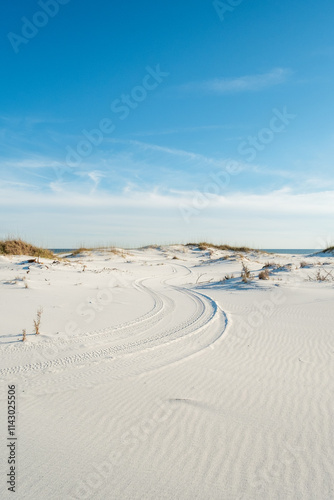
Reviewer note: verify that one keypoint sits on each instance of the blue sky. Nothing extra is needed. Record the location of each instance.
(142, 122)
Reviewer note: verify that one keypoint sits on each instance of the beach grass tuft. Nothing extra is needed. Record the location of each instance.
(20, 247)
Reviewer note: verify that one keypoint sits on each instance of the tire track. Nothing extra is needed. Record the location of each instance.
(206, 320)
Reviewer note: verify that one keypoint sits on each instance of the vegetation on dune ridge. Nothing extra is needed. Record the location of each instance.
(82, 249)
(203, 245)
(113, 250)
(19, 247)
(329, 250)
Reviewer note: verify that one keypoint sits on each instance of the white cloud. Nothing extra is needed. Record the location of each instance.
(242, 83)
(31, 163)
(283, 201)
(65, 218)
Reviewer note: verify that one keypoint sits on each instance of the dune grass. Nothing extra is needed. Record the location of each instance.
(116, 251)
(329, 250)
(203, 245)
(82, 249)
(20, 247)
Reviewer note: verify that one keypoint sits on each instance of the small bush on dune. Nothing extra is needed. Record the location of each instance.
(264, 275)
(303, 264)
(24, 335)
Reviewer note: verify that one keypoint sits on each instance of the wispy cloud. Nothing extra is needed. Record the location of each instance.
(185, 130)
(181, 153)
(248, 83)
(145, 165)
(31, 163)
(282, 201)
(95, 176)
(159, 210)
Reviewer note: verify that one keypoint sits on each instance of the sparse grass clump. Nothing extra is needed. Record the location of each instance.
(319, 276)
(19, 247)
(24, 335)
(228, 277)
(274, 265)
(264, 275)
(303, 264)
(117, 251)
(81, 250)
(245, 274)
(37, 321)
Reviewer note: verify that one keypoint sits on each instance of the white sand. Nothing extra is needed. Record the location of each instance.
(152, 379)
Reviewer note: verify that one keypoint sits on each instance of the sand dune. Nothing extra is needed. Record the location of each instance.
(155, 378)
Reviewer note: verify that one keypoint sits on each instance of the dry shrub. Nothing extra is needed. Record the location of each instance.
(245, 273)
(324, 277)
(24, 335)
(37, 321)
(228, 277)
(273, 265)
(264, 275)
(319, 276)
(303, 264)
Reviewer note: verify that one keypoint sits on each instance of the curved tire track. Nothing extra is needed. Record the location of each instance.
(201, 329)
